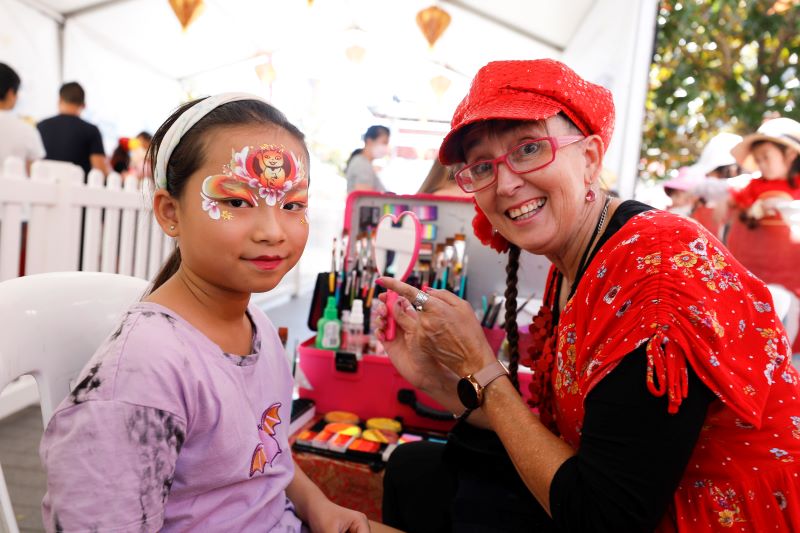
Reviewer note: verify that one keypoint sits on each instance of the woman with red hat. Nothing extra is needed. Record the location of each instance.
(662, 378)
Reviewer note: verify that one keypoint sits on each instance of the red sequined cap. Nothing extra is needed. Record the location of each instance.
(530, 90)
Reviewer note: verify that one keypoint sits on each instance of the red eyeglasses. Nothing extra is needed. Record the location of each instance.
(528, 156)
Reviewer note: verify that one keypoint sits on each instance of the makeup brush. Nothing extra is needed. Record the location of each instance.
(460, 244)
(449, 256)
(438, 265)
(462, 286)
(332, 274)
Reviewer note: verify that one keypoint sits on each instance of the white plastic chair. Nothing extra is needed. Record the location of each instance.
(50, 326)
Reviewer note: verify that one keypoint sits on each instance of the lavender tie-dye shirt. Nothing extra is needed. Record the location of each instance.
(165, 431)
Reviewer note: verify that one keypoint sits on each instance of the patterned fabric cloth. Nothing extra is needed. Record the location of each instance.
(664, 281)
(352, 485)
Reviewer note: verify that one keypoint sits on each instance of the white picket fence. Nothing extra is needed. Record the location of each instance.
(120, 234)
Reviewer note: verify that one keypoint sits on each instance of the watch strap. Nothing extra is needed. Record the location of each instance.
(464, 415)
(489, 373)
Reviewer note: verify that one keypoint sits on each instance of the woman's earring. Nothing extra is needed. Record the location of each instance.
(172, 228)
(591, 196)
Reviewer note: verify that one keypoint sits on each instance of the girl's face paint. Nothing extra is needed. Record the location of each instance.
(251, 226)
(270, 173)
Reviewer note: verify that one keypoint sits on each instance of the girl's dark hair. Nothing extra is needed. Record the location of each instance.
(189, 154)
(373, 132)
(728, 171)
(794, 172)
(512, 331)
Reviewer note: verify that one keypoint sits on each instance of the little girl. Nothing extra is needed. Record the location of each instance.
(180, 421)
(759, 238)
(775, 149)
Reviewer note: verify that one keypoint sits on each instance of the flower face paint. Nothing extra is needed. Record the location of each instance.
(269, 172)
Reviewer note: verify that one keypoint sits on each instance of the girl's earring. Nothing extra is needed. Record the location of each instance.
(172, 228)
(591, 196)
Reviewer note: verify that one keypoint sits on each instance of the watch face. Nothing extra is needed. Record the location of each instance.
(468, 394)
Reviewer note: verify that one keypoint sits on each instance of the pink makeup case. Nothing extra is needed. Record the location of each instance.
(370, 386)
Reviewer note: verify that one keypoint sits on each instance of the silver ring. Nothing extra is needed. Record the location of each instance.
(420, 300)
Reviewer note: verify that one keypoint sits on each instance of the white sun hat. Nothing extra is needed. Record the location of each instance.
(717, 153)
(783, 131)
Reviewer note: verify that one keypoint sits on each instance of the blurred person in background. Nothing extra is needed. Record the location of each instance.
(67, 137)
(441, 182)
(360, 174)
(680, 192)
(140, 165)
(721, 173)
(17, 137)
(759, 236)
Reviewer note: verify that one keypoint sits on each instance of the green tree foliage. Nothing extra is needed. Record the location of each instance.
(718, 65)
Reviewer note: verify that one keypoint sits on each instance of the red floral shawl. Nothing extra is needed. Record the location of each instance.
(665, 281)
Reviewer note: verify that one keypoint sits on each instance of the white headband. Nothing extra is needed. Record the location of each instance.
(184, 123)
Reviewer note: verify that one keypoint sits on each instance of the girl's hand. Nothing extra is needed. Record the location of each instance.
(445, 330)
(417, 368)
(327, 517)
(758, 210)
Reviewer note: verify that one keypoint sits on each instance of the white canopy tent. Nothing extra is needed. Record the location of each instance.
(136, 63)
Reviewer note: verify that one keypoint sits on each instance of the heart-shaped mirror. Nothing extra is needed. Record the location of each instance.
(396, 246)
(395, 251)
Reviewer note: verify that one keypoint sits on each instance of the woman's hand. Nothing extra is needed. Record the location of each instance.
(418, 368)
(446, 330)
(327, 517)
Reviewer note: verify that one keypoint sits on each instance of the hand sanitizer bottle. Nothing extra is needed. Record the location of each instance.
(329, 327)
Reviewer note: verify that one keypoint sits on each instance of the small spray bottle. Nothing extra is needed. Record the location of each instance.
(329, 327)
(355, 337)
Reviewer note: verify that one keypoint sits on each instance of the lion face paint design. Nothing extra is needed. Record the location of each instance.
(269, 172)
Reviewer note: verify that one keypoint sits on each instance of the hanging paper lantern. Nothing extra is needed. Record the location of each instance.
(432, 21)
(266, 72)
(187, 11)
(355, 53)
(440, 84)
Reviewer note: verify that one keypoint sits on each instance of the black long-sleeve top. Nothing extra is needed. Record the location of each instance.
(631, 457)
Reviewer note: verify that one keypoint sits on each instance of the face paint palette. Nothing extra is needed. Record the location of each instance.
(362, 443)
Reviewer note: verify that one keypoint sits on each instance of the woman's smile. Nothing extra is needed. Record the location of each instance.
(526, 210)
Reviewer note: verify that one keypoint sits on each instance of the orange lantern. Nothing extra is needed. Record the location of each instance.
(355, 53)
(432, 21)
(187, 11)
(266, 72)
